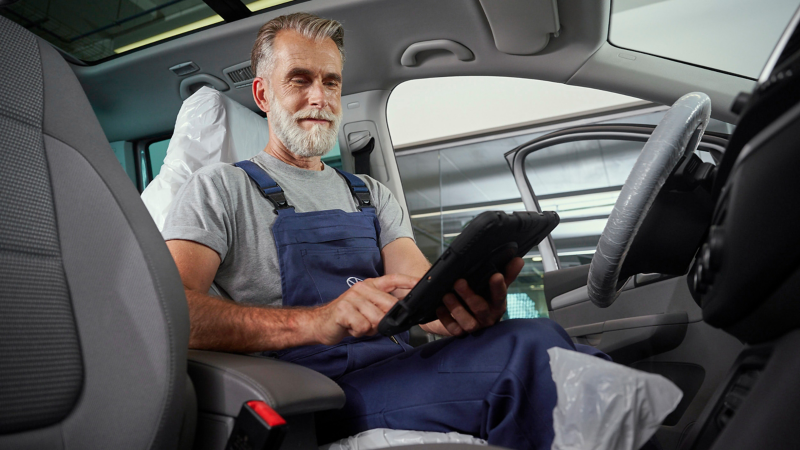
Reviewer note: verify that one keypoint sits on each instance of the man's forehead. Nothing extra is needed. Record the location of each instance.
(293, 50)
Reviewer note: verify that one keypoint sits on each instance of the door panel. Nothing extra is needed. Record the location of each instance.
(658, 328)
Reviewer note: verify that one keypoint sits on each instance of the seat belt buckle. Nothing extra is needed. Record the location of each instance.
(258, 427)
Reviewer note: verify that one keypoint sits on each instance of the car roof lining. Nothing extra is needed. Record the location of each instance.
(136, 95)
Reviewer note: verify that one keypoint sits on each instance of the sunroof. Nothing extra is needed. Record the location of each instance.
(94, 30)
(734, 36)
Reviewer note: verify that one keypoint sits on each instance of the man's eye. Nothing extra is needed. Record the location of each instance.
(298, 81)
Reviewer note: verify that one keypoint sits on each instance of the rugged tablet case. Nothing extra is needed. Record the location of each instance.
(484, 248)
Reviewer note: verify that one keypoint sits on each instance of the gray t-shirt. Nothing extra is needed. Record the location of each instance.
(222, 209)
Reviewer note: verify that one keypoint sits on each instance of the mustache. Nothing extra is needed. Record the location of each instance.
(317, 114)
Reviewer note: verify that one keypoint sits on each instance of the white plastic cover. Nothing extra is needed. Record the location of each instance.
(385, 437)
(680, 128)
(604, 405)
(210, 128)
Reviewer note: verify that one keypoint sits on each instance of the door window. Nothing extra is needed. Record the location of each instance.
(580, 181)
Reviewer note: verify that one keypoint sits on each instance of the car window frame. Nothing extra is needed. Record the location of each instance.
(714, 143)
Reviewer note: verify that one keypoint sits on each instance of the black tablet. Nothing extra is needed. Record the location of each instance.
(484, 248)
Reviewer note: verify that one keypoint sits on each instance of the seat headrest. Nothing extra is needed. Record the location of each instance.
(210, 128)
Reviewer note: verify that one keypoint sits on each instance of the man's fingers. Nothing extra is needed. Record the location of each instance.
(499, 290)
(513, 268)
(351, 319)
(367, 292)
(400, 293)
(448, 322)
(371, 312)
(481, 310)
(460, 314)
(389, 283)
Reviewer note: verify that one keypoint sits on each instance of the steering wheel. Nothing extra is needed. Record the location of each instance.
(678, 133)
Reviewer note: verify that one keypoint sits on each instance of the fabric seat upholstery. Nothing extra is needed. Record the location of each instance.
(93, 319)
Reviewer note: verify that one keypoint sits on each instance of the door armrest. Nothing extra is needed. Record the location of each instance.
(224, 381)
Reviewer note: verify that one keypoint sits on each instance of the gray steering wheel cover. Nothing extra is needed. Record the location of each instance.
(660, 154)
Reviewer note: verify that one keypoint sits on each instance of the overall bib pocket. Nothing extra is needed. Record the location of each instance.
(333, 271)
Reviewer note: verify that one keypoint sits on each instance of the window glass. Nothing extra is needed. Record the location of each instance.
(258, 5)
(157, 151)
(451, 135)
(445, 189)
(582, 180)
(124, 152)
(93, 30)
(735, 36)
(334, 157)
(421, 112)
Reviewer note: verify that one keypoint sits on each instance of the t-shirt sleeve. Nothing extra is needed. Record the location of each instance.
(394, 221)
(198, 214)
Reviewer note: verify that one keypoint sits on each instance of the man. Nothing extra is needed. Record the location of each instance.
(285, 261)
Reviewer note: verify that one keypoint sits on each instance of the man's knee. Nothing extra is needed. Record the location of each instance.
(529, 329)
(526, 336)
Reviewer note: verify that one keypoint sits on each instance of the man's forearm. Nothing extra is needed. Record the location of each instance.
(219, 324)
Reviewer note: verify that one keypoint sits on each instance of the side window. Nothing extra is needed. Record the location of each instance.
(123, 150)
(581, 181)
(446, 188)
(334, 157)
(450, 136)
(157, 151)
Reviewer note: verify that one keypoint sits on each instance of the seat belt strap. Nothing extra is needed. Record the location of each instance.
(359, 190)
(268, 187)
(362, 156)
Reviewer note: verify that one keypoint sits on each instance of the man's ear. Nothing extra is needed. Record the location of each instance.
(260, 93)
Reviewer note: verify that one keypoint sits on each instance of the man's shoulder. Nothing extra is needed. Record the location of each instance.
(217, 170)
(221, 174)
(375, 187)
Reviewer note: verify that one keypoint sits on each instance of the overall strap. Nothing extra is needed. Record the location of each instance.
(359, 190)
(268, 187)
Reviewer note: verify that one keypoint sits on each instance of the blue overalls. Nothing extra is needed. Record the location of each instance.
(495, 384)
(321, 254)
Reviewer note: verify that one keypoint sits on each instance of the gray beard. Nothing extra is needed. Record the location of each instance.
(317, 141)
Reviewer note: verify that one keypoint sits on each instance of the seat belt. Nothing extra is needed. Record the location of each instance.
(361, 157)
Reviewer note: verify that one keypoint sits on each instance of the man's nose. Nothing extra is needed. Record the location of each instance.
(316, 95)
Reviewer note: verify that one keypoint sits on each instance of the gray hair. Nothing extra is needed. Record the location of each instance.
(308, 25)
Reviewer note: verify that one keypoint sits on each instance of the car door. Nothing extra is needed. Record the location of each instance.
(655, 325)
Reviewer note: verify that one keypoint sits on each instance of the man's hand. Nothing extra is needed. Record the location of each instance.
(359, 310)
(457, 319)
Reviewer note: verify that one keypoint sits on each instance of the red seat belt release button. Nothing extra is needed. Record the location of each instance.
(258, 427)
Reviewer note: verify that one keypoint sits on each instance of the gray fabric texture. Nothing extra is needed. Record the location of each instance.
(128, 285)
(40, 360)
(116, 301)
(221, 208)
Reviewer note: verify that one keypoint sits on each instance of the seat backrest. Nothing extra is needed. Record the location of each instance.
(93, 319)
(210, 128)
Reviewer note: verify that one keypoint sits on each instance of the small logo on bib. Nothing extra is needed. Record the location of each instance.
(353, 280)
